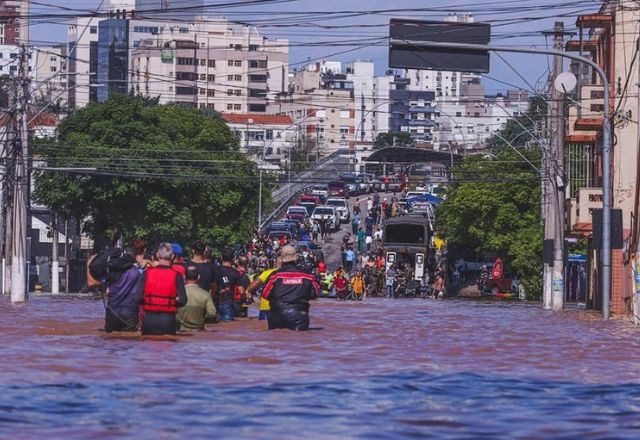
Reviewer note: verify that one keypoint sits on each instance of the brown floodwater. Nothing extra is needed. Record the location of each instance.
(380, 369)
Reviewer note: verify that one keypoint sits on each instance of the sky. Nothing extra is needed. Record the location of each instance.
(347, 30)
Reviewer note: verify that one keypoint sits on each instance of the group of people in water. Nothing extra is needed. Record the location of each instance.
(162, 292)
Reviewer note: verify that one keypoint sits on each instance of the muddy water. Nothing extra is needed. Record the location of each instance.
(382, 369)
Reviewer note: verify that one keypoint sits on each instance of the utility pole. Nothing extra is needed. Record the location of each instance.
(55, 265)
(20, 227)
(557, 207)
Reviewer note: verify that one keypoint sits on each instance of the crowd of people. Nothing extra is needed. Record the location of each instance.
(160, 292)
(163, 290)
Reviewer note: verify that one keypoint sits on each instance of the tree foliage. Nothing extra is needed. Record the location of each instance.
(495, 206)
(387, 139)
(162, 173)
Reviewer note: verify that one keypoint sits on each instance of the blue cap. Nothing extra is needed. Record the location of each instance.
(177, 249)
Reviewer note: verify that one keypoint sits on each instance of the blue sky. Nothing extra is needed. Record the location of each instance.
(305, 22)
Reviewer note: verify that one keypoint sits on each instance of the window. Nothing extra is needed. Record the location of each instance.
(203, 77)
(237, 77)
(185, 91)
(54, 69)
(258, 64)
(212, 64)
(184, 30)
(237, 107)
(53, 59)
(229, 77)
(258, 78)
(211, 78)
(211, 93)
(344, 130)
(238, 92)
(229, 106)
(345, 114)
(321, 113)
(253, 47)
(237, 63)
(211, 106)
(185, 76)
(229, 92)
(230, 63)
(184, 61)
(93, 30)
(202, 91)
(256, 135)
(203, 62)
(268, 134)
(458, 114)
(257, 108)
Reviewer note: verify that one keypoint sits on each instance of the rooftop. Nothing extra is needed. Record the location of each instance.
(257, 119)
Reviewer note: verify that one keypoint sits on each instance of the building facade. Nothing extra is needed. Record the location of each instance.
(272, 137)
(50, 79)
(14, 27)
(214, 64)
(113, 57)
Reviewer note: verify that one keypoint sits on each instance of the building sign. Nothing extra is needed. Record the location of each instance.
(166, 56)
(577, 258)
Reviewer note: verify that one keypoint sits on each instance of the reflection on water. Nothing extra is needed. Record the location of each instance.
(383, 369)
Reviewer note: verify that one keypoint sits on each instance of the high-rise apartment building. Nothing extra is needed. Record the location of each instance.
(14, 23)
(213, 64)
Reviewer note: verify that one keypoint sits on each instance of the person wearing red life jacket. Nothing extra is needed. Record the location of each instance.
(162, 294)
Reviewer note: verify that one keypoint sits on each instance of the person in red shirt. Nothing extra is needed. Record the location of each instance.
(322, 268)
(340, 284)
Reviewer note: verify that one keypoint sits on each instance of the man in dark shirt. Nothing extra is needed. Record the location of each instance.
(205, 268)
(123, 299)
(227, 281)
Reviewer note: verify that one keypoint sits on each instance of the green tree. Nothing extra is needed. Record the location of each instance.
(387, 139)
(494, 204)
(162, 173)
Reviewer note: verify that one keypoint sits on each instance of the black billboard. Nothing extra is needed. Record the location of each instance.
(406, 52)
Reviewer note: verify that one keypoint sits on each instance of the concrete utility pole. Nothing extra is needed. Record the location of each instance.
(557, 207)
(55, 265)
(20, 227)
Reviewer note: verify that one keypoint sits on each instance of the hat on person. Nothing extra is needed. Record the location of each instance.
(288, 254)
(177, 249)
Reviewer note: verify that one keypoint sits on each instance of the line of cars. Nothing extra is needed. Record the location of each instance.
(350, 184)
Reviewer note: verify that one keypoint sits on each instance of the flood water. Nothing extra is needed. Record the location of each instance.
(380, 369)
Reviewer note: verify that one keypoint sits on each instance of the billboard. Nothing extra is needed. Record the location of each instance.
(407, 52)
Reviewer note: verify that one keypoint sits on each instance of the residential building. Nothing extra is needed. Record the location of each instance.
(213, 64)
(412, 111)
(50, 79)
(272, 137)
(14, 25)
(163, 10)
(113, 57)
(322, 105)
(10, 61)
(583, 145)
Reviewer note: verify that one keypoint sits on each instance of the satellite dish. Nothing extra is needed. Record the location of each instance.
(565, 82)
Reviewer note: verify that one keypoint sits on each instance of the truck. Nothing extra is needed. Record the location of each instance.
(407, 245)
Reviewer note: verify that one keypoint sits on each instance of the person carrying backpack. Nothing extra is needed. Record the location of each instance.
(116, 270)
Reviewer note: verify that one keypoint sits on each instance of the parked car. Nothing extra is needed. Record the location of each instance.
(310, 198)
(296, 217)
(365, 185)
(338, 188)
(280, 226)
(309, 206)
(353, 183)
(321, 191)
(342, 208)
(298, 210)
(395, 185)
(279, 234)
(329, 213)
(375, 182)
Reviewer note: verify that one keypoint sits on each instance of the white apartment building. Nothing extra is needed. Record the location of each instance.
(50, 78)
(275, 136)
(10, 61)
(213, 64)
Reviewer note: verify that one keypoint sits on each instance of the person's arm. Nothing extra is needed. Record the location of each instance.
(181, 294)
(210, 308)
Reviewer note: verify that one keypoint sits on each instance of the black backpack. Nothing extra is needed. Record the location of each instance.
(109, 264)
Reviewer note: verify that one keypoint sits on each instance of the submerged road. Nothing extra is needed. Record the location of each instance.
(379, 369)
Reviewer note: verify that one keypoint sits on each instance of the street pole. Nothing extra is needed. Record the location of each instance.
(55, 265)
(557, 214)
(606, 141)
(18, 260)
